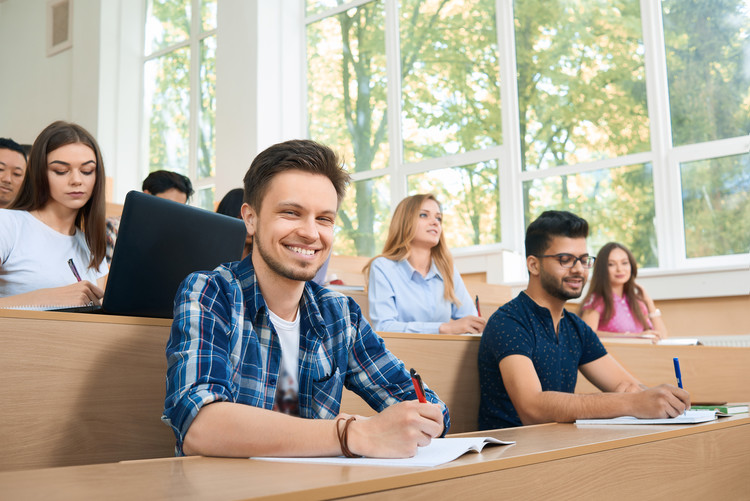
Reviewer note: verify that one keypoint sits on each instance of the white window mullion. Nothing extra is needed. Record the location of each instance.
(393, 105)
(511, 187)
(670, 228)
(195, 27)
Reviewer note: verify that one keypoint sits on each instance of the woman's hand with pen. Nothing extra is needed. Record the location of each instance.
(467, 324)
(78, 294)
(397, 431)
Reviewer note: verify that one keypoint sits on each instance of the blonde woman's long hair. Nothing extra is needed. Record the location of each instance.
(401, 233)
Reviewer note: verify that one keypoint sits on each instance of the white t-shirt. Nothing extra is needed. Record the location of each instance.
(34, 256)
(288, 333)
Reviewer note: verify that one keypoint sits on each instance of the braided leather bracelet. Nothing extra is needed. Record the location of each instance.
(343, 436)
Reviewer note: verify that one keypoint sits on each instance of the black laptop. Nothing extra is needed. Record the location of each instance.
(159, 243)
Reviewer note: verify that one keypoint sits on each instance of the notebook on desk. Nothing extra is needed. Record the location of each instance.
(159, 243)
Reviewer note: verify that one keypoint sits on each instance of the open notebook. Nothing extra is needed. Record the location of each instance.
(440, 451)
(690, 416)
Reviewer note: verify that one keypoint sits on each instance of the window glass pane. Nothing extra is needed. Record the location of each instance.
(204, 198)
(317, 6)
(469, 197)
(618, 204)
(362, 222)
(166, 85)
(167, 22)
(708, 62)
(208, 15)
(207, 109)
(346, 79)
(451, 77)
(716, 206)
(581, 81)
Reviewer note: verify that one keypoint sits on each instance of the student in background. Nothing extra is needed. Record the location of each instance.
(13, 159)
(258, 355)
(412, 285)
(532, 348)
(615, 303)
(52, 235)
(231, 205)
(161, 183)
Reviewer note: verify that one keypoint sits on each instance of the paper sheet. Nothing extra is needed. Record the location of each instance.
(690, 416)
(440, 451)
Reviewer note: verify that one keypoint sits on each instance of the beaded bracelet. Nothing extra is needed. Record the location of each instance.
(343, 436)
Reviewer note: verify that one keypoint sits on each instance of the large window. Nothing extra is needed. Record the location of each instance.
(179, 80)
(631, 113)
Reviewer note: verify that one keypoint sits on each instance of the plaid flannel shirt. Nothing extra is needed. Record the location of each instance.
(223, 347)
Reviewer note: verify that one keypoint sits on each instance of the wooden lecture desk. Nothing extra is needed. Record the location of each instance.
(552, 461)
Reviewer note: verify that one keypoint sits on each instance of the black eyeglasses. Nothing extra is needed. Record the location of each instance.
(569, 260)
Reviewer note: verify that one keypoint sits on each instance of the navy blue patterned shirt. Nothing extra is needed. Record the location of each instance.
(223, 347)
(522, 327)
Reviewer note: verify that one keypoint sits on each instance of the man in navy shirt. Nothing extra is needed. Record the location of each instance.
(532, 349)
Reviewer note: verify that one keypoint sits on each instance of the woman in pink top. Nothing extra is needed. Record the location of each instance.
(615, 304)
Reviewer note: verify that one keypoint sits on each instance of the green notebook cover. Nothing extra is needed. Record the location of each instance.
(724, 409)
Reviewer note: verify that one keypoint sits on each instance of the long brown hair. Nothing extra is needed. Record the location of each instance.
(601, 287)
(401, 234)
(34, 193)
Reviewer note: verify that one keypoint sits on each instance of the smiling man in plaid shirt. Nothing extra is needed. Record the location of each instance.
(258, 354)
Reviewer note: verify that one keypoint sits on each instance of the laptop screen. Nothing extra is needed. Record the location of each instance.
(159, 243)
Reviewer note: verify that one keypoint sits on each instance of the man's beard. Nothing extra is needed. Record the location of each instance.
(557, 289)
(302, 275)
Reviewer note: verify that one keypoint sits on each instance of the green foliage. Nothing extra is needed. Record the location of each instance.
(581, 95)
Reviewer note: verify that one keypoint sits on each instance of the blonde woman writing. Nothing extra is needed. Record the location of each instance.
(412, 285)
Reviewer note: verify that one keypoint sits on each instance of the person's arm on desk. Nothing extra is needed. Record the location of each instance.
(591, 317)
(238, 430)
(79, 293)
(535, 406)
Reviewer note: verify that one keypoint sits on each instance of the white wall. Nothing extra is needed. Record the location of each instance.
(35, 89)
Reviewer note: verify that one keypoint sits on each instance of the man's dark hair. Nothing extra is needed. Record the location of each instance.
(9, 144)
(231, 204)
(553, 223)
(298, 154)
(160, 181)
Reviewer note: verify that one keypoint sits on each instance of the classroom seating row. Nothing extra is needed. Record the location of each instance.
(83, 389)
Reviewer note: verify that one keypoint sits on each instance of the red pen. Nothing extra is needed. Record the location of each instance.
(418, 387)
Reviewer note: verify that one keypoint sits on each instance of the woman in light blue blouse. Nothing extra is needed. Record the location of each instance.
(412, 285)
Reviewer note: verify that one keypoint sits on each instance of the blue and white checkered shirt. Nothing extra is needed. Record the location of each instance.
(223, 347)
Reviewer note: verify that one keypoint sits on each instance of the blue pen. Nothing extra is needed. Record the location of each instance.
(677, 372)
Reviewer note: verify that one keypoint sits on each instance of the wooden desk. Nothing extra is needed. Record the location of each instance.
(709, 373)
(555, 461)
(81, 388)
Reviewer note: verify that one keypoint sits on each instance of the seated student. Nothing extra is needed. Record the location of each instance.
(52, 235)
(258, 355)
(161, 183)
(532, 349)
(12, 170)
(615, 304)
(231, 205)
(412, 285)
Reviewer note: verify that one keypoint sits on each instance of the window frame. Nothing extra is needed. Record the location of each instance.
(193, 43)
(663, 156)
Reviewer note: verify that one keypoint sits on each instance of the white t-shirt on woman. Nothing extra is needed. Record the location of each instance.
(34, 256)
